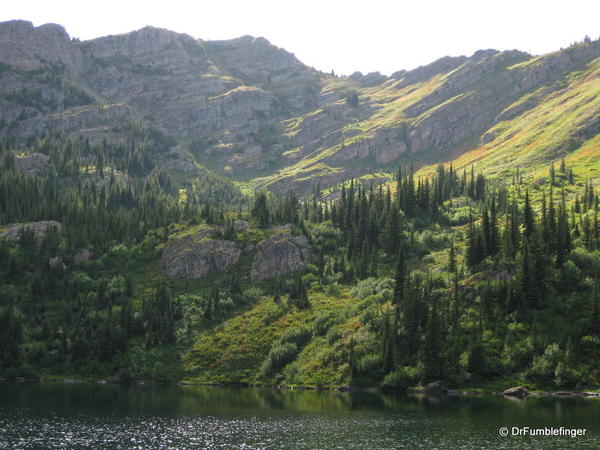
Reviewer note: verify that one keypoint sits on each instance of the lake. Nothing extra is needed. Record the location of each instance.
(56, 415)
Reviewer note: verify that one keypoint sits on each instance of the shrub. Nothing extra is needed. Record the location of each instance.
(292, 373)
(278, 357)
(323, 323)
(564, 375)
(333, 335)
(372, 286)
(371, 365)
(309, 278)
(544, 366)
(297, 335)
(477, 361)
(253, 293)
(402, 378)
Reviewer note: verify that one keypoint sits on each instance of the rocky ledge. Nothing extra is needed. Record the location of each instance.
(13, 231)
(198, 254)
(33, 163)
(280, 254)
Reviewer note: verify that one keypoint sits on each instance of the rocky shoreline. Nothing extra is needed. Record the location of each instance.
(435, 389)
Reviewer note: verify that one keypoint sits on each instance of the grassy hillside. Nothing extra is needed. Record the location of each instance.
(563, 124)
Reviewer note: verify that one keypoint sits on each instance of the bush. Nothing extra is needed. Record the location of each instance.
(586, 261)
(253, 293)
(278, 357)
(333, 288)
(518, 347)
(401, 379)
(323, 323)
(309, 278)
(292, 373)
(333, 335)
(370, 286)
(564, 375)
(296, 335)
(477, 361)
(544, 366)
(371, 365)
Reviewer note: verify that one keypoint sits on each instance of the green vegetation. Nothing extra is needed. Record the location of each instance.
(455, 277)
(482, 271)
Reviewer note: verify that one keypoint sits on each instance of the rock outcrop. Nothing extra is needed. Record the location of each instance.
(179, 159)
(435, 389)
(516, 391)
(198, 254)
(246, 105)
(240, 225)
(57, 262)
(33, 163)
(279, 255)
(13, 232)
(83, 256)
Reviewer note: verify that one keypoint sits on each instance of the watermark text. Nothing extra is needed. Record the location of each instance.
(545, 431)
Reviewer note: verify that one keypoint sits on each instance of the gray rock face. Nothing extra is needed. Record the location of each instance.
(94, 122)
(83, 256)
(197, 255)
(180, 85)
(56, 262)
(13, 231)
(517, 391)
(246, 104)
(179, 159)
(240, 225)
(279, 255)
(33, 163)
(25, 47)
(435, 389)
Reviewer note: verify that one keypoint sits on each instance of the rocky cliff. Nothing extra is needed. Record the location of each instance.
(280, 254)
(13, 232)
(198, 254)
(251, 110)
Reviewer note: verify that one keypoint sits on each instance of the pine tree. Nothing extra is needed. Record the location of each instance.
(528, 217)
(400, 279)
(452, 258)
(260, 211)
(391, 232)
(432, 357)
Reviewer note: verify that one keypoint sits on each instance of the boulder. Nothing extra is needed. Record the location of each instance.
(83, 256)
(240, 225)
(279, 255)
(13, 231)
(435, 389)
(56, 262)
(197, 255)
(516, 391)
(414, 391)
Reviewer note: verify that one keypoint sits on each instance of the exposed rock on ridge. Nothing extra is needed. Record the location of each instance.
(279, 255)
(197, 255)
(13, 232)
(245, 105)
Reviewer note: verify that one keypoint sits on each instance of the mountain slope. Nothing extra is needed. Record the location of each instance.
(253, 112)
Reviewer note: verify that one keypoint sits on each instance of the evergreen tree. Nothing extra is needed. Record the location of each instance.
(432, 358)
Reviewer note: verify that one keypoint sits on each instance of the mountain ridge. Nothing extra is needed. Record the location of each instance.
(252, 111)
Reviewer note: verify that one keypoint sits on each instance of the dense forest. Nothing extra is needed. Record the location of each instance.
(453, 276)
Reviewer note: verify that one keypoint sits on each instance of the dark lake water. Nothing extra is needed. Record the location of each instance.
(55, 415)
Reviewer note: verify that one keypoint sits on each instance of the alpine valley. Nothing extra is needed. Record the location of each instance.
(181, 210)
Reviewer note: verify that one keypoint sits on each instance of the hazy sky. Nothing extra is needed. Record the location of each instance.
(345, 36)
